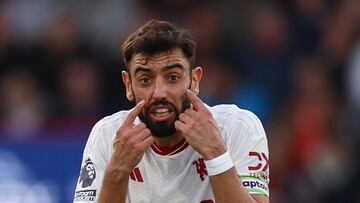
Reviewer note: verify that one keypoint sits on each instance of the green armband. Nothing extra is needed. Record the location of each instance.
(255, 185)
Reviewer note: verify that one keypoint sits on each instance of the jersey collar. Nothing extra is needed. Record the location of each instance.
(168, 151)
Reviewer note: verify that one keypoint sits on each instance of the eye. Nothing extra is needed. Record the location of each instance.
(145, 80)
(173, 77)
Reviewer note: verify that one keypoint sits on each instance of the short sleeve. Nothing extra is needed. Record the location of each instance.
(92, 169)
(249, 151)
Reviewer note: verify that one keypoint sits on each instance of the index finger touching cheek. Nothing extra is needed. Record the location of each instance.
(134, 113)
(195, 100)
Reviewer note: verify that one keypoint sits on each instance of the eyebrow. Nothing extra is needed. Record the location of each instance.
(142, 68)
(174, 65)
(166, 68)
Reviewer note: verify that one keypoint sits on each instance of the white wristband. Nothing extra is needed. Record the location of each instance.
(219, 164)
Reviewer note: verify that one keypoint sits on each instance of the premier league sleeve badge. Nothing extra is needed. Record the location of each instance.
(87, 174)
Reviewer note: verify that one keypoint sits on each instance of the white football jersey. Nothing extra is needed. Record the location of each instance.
(178, 174)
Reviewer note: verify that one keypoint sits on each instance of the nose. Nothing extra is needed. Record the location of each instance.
(159, 91)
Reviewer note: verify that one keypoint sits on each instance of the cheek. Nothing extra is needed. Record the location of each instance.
(178, 97)
(142, 95)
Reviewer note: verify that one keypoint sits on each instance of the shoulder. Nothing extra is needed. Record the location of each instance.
(99, 143)
(231, 116)
(113, 120)
(231, 112)
(106, 127)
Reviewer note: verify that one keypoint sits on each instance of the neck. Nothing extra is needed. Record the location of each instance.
(168, 141)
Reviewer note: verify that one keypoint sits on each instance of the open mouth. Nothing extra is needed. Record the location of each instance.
(161, 112)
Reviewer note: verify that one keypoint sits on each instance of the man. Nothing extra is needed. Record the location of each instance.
(171, 147)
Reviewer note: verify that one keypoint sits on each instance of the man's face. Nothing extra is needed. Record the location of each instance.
(161, 115)
(161, 80)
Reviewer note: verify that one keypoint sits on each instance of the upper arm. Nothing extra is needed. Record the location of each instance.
(92, 169)
(248, 148)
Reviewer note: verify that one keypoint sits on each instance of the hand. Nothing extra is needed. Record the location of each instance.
(198, 127)
(131, 141)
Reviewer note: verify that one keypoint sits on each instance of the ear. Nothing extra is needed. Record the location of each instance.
(127, 82)
(196, 75)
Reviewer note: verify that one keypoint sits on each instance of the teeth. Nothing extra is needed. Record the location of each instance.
(161, 111)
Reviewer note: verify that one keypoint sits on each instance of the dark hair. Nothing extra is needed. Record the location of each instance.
(158, 36)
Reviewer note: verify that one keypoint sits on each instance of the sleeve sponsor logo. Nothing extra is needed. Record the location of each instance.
(263, 163)
(85, 195)
(255, 185)
(87, 174)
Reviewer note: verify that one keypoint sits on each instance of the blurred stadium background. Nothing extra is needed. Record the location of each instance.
(296, 64)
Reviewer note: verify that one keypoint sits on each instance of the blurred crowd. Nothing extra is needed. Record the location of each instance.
(296, 64)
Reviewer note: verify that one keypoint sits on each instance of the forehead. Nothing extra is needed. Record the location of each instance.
(160, 60)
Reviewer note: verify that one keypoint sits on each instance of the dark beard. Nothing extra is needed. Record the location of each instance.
(163, 128)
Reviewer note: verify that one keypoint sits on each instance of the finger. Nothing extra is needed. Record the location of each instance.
(146, 143)
(134, 113)
(190, 112)
(149, 141)
(185, 118)
(180, 126)
(144, 134)
(195, 100)
(141, 126)
(139, 137)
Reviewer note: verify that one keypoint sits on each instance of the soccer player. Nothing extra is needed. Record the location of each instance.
(172, 147)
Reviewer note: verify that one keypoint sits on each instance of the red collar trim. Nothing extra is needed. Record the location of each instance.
(166, 151)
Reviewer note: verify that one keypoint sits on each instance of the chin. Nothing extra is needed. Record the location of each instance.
(162, 129)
